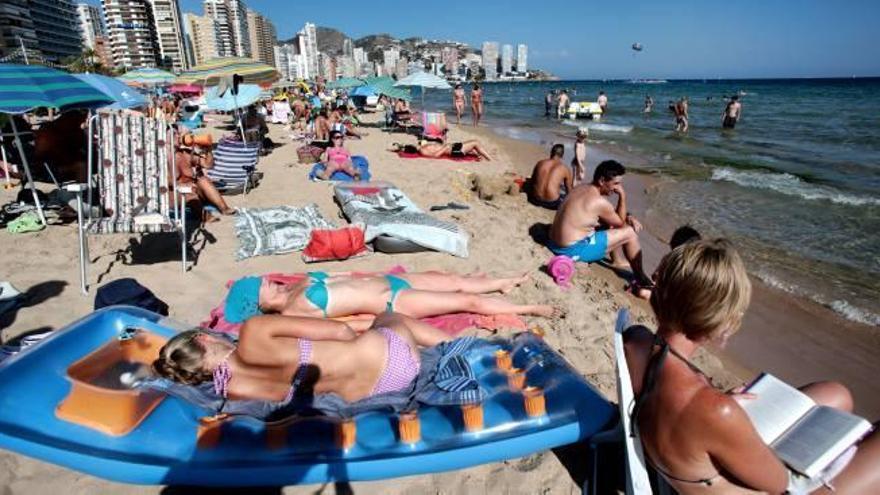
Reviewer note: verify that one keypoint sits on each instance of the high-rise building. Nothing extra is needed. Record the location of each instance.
(389, 60)
(401, 68)
(238, 21)
(506, 59)
(347, 47)
(17, 29)
(345, 66)
(218, 10)
(131, 32)
(262, 34)
(202, 33)
(328, 67)
(522, 58)
(309, 49)
(56, 23)
(90, 24)
(169, 33)
(360, 59)
(490, 59)
(449, 57)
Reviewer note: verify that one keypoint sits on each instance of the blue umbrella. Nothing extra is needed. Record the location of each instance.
(362, 91)
(27, 87)
(123, 95)
(247, 95)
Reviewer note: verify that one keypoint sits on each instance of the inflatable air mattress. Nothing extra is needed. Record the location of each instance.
(65, 401)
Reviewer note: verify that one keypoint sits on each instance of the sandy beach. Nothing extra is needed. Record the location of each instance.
(781, 334)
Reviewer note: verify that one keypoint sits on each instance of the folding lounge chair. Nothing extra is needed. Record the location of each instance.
(128, 175)
(434, 126)
(234, 167)
(637, 478)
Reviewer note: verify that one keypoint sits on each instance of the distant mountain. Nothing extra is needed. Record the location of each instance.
(329, 40)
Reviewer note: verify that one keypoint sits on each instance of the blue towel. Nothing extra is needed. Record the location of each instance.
(360, 163)
(445, 378)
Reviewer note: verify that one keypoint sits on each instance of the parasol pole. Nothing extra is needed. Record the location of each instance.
(7, 185)
(27, 170)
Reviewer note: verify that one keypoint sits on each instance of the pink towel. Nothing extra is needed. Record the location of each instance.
(562, 270)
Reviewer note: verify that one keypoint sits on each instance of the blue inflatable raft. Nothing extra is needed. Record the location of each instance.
(62, 401)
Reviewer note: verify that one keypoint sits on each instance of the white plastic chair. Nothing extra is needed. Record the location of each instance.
(637, 479)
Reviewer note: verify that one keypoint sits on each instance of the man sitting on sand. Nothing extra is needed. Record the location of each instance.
(551, 180)
(431, 149)
(574, 231)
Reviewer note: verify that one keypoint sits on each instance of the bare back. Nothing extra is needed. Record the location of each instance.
(549, 177)
(578, 217)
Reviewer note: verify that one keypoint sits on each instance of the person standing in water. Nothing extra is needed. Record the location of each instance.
(458, 102)
(562, 104)
(602, 100)
(680, 109)
(477, 103)
(579, 162)
(548, 103)
(732, 113)
(649, 104)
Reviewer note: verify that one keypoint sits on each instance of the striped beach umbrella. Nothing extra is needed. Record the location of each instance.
(26, 87)
(123, 95)
(213, 71)
(147, 76)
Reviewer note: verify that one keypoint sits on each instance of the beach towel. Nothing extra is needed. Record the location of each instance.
(276, 230)
(445, 379)
(360, 163)
(466, 158)
(386, 210)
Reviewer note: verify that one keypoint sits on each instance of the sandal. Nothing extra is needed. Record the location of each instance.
(27, 222)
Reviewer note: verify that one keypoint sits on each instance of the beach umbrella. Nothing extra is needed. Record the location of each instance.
(147, 76)
(225, 101)
(364, 90)
(27, 87)
(345, 83)
(123, 96)
(424, 81)
(212, 72)
(189, 89)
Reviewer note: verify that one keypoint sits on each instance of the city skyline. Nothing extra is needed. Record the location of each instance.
(682, 39)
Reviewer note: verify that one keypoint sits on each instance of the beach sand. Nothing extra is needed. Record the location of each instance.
(46, 264)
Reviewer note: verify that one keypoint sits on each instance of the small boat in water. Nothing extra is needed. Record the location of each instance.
(68, 400)
(584, 110)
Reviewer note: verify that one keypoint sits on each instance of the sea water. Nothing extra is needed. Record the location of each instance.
(796, 185)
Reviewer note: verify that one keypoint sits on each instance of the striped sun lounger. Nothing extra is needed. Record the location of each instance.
(234, 166)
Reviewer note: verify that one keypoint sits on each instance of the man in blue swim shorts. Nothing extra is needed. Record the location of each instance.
(587, 227)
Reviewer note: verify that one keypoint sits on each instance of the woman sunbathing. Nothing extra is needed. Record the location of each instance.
(417, 295)
(337, 158)
(699, 438)
(431, 149)
(277, 356)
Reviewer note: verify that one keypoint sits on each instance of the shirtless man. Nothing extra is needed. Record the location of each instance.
(548, 103)
(322, 126)
(731, 113)
(680, 109)
(574, 231)
(190, 162)
(551, 180)
(649, 104)
(562, 104)
(458, 102)
(602, 100)
(579, 162)
(477, 104)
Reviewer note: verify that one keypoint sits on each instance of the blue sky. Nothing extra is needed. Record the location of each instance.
(590, 39)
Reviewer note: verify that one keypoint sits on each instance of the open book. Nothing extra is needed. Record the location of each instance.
(806, 436)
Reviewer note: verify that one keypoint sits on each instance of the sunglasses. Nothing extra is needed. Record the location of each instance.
(336, 137)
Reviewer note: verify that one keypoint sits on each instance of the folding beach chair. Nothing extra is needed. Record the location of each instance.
(434, 126)
(235, 164)
(637, 478)
(128, 176)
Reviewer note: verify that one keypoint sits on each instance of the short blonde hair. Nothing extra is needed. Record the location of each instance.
(702, 290)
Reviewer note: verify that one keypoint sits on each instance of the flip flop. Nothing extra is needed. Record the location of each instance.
(28, 222)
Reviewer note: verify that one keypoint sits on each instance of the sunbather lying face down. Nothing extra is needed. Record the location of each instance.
(279, 356)
(456, 150)
(700, 438)
(414, 294)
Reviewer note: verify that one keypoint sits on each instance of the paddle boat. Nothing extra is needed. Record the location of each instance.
(66, 401)
(584, 110)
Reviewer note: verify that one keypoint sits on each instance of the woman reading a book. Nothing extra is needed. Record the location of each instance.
(701, 439)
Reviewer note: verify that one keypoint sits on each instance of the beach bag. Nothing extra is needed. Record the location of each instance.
(335, 244)
(308, 153)
(129, 292)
